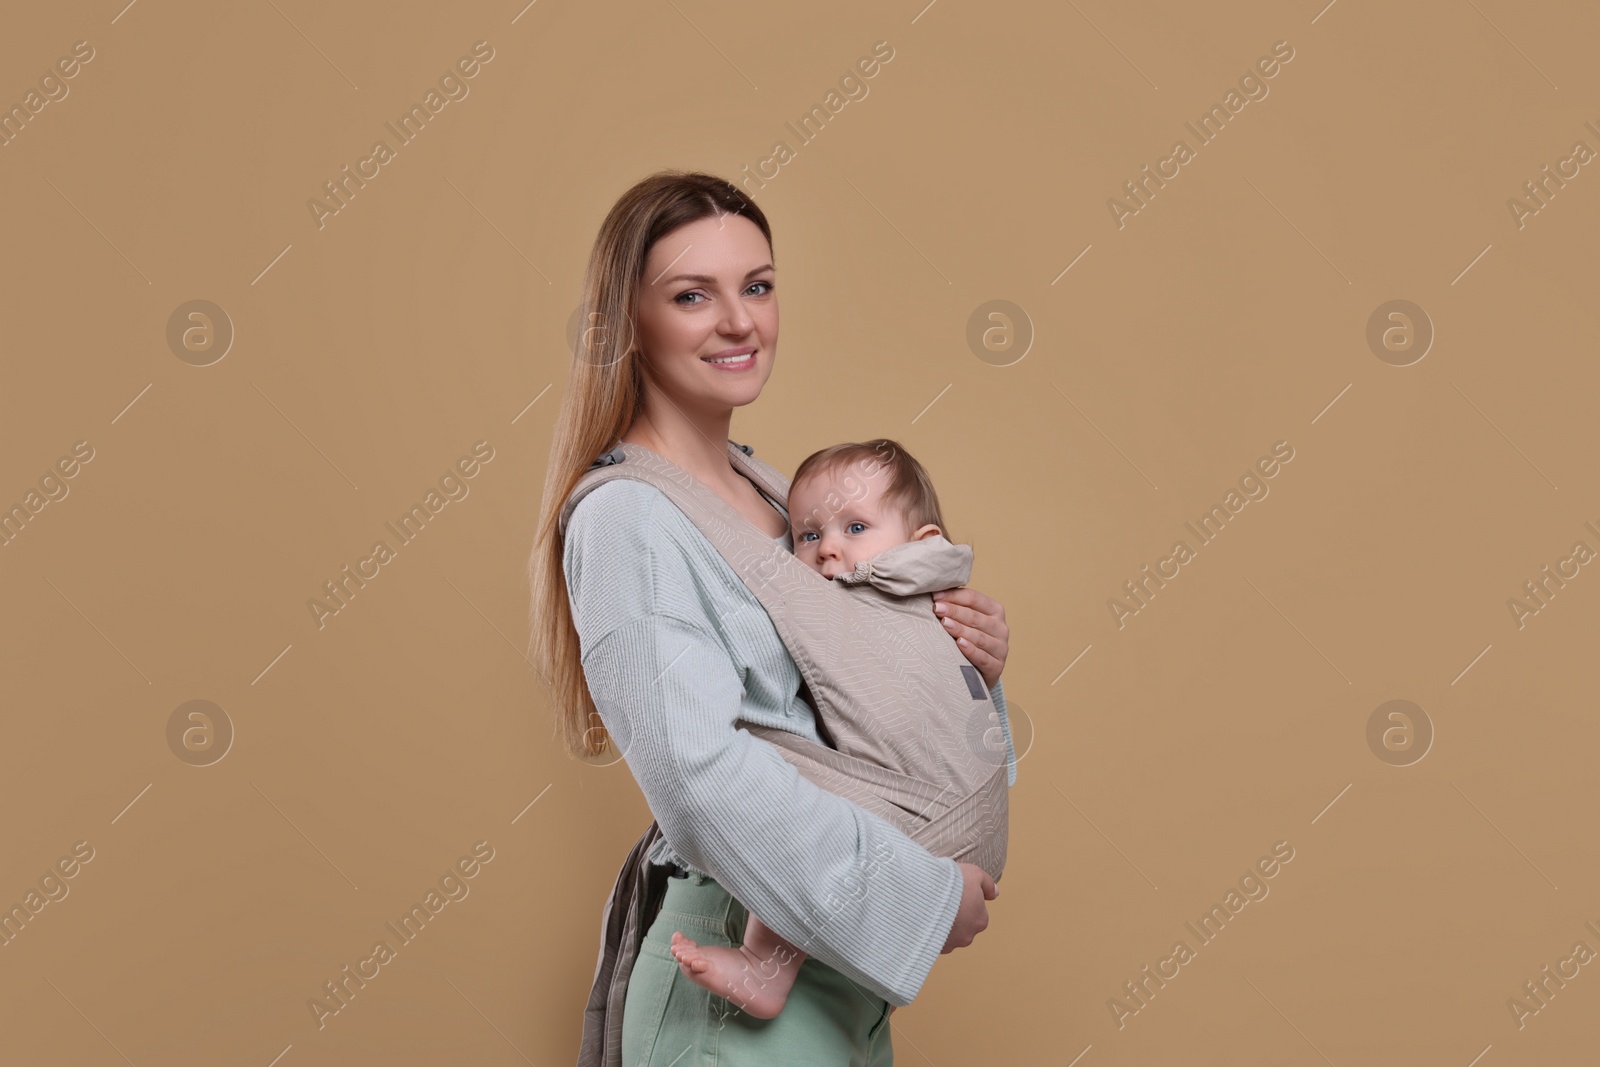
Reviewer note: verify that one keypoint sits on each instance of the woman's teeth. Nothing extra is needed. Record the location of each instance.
(730, 359)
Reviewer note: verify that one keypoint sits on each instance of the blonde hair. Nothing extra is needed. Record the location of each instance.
(605, 390)
(909, 490)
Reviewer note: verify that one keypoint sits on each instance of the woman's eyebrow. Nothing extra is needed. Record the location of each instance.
(708, 280)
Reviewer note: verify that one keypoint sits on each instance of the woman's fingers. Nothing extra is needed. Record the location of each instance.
(969, 596)
(987, 665)
(968, 606)
(979, 625)
(970, 632)
(983, 650)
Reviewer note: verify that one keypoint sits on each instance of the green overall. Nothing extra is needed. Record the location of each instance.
(669, 1021)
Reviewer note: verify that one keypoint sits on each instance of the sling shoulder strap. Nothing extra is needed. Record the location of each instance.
(630, 908)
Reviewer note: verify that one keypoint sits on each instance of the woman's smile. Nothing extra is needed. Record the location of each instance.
(733, 359)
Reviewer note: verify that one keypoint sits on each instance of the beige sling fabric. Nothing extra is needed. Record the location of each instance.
(910, 716)
(632, 906)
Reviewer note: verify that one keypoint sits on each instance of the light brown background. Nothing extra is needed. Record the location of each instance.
(1228, 715)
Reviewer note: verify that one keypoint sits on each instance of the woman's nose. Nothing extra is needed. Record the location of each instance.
(736, 321)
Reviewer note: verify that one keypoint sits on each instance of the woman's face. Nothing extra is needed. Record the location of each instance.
(707, 292)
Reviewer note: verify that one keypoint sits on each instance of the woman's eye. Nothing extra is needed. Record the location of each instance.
(683, 298)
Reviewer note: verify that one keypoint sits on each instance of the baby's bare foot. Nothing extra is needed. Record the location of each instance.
(689, 955)
(736, 975)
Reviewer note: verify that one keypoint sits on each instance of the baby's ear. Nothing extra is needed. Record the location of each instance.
(926, 531)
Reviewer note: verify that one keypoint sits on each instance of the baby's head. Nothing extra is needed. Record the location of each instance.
(849, 502)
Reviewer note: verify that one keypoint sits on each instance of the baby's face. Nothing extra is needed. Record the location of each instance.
(830, 541)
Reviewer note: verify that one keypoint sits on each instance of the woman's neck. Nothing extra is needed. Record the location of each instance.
(698, 445)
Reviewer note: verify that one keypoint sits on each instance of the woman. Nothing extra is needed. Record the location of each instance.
(641, 626)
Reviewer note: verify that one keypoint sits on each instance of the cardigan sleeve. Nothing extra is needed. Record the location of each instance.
(998, 695)
(837, 881)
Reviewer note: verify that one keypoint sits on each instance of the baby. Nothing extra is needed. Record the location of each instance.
(847, 504)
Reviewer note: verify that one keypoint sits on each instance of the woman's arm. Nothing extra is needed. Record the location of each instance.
(837, 881)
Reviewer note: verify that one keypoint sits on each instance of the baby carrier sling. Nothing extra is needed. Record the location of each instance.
(909, 714)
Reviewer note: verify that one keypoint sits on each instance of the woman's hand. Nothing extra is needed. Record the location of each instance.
(972, 916)
(978, 623)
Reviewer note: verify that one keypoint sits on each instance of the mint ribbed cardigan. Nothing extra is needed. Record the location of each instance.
(675, 647)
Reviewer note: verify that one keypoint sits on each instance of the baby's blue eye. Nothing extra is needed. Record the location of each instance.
(806, 536)
(860, 524)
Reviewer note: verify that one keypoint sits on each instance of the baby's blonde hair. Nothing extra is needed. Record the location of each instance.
(908, 490)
